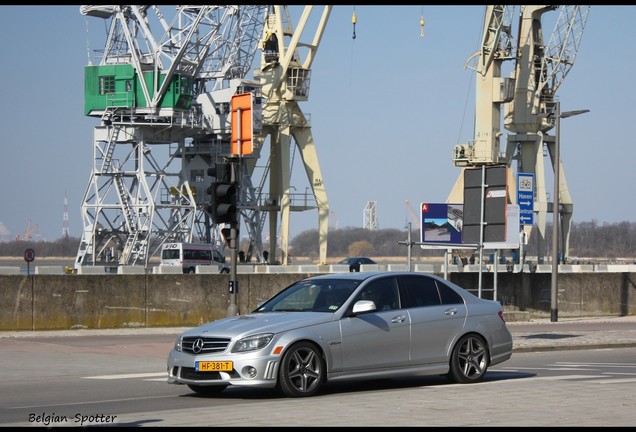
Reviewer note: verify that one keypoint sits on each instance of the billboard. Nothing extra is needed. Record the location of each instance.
(485, 193)
(441, 224)
(442, 227)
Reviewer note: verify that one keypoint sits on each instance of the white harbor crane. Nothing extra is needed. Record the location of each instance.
(531, 115)
(162, 90)
(285, 74)
(528, 99)
(152, 89)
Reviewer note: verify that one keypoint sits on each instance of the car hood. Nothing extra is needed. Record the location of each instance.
(262, 322)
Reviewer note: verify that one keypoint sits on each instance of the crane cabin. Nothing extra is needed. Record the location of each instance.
(119, 86)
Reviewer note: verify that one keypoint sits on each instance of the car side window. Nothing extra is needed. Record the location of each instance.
(420, 291)
(449, 295)
(383, 292)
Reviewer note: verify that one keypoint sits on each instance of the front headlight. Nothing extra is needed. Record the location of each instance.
(177, 344)
(252, 343)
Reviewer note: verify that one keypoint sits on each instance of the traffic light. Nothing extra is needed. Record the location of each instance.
(221, 172)
(223, 194)
(223, 206)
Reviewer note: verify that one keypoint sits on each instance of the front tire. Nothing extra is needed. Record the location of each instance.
(301, 370)
(207, 391)
(469, 360)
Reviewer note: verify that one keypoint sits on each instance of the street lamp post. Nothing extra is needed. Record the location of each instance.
(556, 219)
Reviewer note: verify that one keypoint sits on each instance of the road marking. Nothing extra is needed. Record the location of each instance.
(124, 376)
(98, 402)
(597, 364)
(570, 377)
(559, 368)
(616, 380)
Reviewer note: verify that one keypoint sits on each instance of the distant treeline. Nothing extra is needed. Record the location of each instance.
(63, 247)
(587, 239)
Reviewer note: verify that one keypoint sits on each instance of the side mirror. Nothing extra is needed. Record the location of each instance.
(362, 306)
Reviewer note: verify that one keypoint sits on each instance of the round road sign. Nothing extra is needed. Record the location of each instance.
(29, 255)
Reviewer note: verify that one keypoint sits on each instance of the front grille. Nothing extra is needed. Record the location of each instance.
(192, 374)
(208, 345)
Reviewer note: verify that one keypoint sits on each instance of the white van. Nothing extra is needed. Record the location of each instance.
(189, 255)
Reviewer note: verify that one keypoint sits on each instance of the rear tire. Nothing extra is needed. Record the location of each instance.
(469, 360)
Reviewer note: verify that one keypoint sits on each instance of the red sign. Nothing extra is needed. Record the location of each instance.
(29, 255)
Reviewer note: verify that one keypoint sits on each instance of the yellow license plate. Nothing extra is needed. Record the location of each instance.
(214, 366)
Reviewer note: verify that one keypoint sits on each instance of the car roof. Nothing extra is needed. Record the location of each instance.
(362, 276)
(354, 258)
(368, 274)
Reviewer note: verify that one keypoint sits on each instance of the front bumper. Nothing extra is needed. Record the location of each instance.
(249, 369)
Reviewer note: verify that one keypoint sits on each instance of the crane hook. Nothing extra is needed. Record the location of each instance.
(353, 21)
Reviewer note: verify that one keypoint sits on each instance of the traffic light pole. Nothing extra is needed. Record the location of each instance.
(233, 308)
(241, 143)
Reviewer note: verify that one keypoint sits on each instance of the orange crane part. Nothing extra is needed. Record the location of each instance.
(416, 220)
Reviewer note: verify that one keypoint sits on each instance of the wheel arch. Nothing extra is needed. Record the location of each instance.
(327, 362)
(460, 336)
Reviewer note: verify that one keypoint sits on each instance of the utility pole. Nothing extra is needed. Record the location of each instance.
(242, 143)
(556, 215)
(410, 244)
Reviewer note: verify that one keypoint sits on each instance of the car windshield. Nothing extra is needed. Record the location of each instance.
(325, 295)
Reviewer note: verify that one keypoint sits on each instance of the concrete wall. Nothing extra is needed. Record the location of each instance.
(56, 302)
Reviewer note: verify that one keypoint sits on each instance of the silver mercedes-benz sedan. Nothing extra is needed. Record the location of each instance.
(342, 327)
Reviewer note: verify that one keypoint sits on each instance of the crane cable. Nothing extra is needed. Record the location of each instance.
(88, 48)
(354, 20)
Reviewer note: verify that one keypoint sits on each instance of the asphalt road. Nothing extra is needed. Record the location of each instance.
(117, 378)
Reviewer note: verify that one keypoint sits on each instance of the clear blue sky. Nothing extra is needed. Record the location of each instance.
(386, 110)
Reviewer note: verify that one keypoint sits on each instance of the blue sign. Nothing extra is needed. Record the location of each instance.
(525, 198)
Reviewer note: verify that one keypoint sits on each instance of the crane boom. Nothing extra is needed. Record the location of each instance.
(491, 90)
(562, 48)
(285, 77)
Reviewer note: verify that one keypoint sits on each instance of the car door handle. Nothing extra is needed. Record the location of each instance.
(398, 319)
(450, 311)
